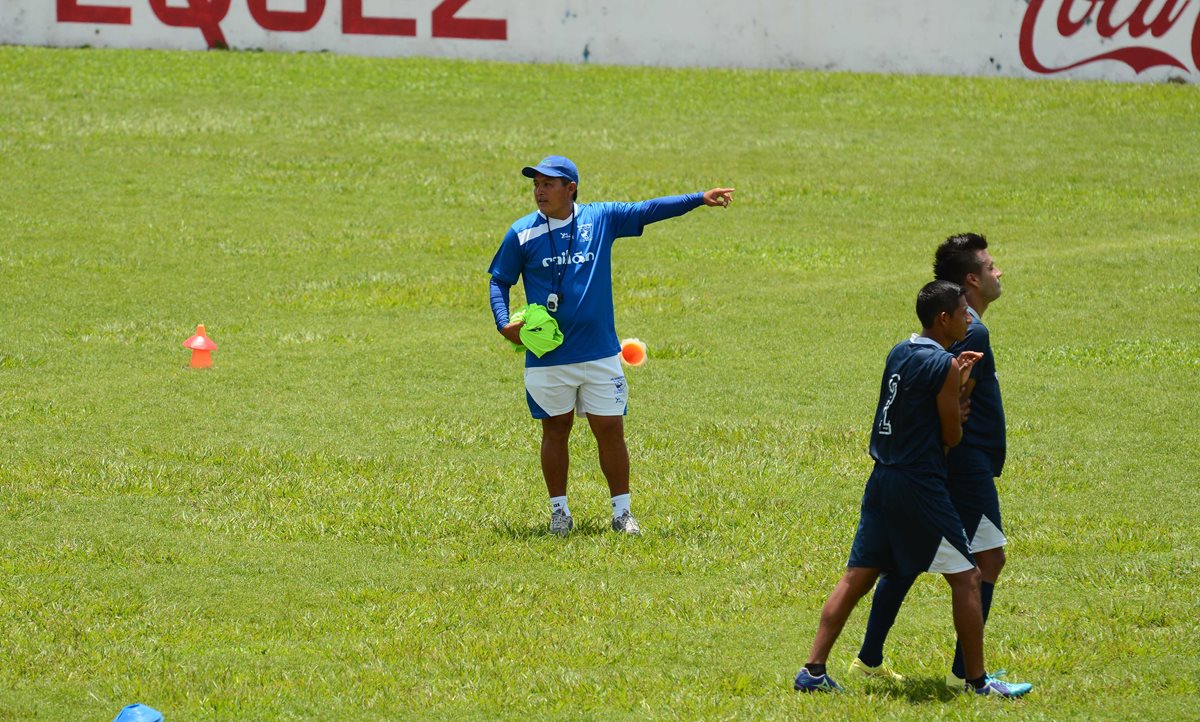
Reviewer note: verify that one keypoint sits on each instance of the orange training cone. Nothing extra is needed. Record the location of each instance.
(633, 352)
(202, 348)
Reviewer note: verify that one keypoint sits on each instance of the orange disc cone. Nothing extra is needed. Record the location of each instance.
(202, 347)
(633, 352)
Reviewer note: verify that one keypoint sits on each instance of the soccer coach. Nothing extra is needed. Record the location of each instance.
(563, 254)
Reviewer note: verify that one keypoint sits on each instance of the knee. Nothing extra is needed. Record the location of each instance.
(990, 564)
(857, 581)
(608, 429)
(967, 580)
(557, 428)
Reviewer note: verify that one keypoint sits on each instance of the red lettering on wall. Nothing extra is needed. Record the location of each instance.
(445, 25)
(287, 21)
(1138, 26)
(1068, 27)
(207, 16)
(203, 14)
(353, 22)
(70, 11)
(1196, 44)
(1137, 57)
(1137, 20)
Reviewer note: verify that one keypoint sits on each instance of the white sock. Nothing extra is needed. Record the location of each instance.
(620, 504)
(559, 503)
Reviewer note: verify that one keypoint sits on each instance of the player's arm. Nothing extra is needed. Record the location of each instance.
(950, 410)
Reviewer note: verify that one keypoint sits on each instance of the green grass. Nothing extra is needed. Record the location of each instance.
(345, 517)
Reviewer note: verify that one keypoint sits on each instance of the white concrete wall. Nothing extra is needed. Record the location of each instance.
(956, 37)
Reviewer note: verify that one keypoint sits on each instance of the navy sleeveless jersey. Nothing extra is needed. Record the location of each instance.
(908, 431)
(985, 427)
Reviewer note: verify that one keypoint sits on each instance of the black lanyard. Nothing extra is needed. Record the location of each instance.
(560, 270)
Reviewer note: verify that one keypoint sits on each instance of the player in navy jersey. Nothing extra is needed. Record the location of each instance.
(563, 254)
(971, 466)
(907, 523)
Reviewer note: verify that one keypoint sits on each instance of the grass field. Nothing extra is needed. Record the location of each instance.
(345, 519)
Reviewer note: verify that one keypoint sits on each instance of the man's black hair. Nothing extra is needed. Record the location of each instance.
(957, 256)
(937, 297)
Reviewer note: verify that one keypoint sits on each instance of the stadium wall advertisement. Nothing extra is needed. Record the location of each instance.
(1119, 40)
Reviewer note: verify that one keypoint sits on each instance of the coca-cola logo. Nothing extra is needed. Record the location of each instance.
(1107, 21)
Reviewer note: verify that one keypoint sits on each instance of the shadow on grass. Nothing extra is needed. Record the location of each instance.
(541, 529)
(912, 690)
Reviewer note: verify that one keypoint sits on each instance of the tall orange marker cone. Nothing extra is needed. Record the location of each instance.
(633, 352)
(202, 348)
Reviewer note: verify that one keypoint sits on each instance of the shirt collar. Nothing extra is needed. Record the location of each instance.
(920, 340)
(556, 223)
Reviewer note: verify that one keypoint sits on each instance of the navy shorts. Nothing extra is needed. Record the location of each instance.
(908, 525)
(972, 489)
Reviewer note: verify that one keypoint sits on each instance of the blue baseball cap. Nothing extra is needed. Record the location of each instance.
(555, 166)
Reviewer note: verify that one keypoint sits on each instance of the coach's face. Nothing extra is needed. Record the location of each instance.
(553, 195)
(989, 277)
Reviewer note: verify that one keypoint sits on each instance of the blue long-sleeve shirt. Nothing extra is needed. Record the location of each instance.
(573, 259)
(498, 293)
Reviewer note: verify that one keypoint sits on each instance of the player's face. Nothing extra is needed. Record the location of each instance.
(959, 320)
(553, 195)
(989, 277)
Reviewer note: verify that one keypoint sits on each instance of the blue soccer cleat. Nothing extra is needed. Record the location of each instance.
(805, 682)
(994, 687)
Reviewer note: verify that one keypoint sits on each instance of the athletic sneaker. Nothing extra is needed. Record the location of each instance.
(993, 686)
(561, 523)
(860, 668)
(958, 684)
(626, 524)
(805, 682)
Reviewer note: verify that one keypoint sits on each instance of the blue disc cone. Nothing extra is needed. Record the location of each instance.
(138, 713)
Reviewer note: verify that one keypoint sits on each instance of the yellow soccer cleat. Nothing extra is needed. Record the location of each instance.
(858, 668)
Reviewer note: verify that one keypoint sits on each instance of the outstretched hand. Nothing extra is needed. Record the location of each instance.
(967, 360)
(718, 197)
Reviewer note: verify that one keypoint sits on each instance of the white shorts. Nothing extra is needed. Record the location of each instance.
(591, 387)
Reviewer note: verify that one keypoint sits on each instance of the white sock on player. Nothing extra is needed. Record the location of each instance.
(620, 504)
